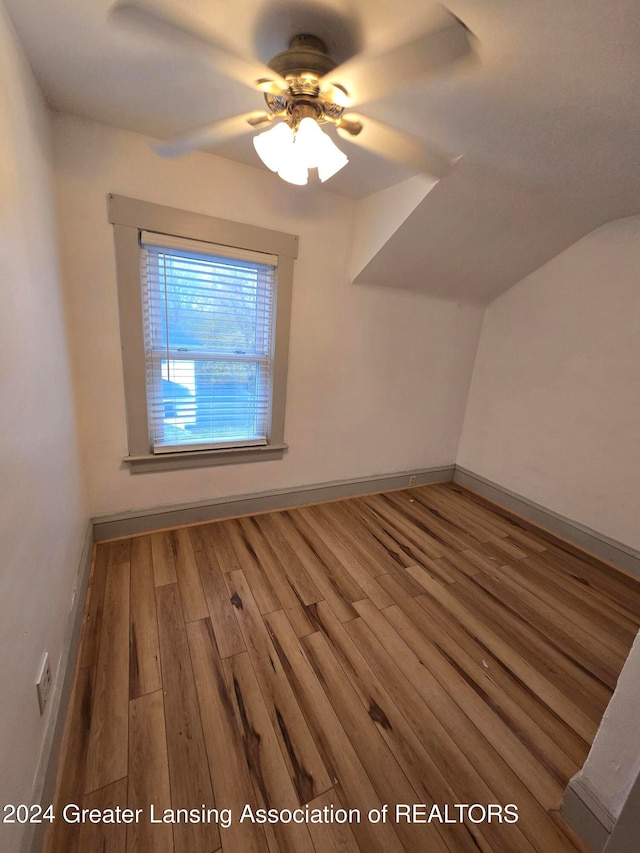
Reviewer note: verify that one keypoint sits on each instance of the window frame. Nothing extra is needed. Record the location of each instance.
(129, 218)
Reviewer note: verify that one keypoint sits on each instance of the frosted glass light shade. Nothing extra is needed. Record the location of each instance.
(309, 141)
(331, 160)
(274, 146)
(294, 169)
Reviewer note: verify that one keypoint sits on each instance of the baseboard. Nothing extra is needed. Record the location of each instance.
(159, 518)
(584, 813)
(137, 522)
(616, 553)
(45, 780)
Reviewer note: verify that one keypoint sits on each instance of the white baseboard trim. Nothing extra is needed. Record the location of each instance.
(158, 518)
(584, 813)
(45, 780)
(616, 553)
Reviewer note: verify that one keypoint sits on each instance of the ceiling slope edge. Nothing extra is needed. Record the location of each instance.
(378, 216)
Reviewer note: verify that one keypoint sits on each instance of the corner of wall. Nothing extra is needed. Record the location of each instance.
(471, 383)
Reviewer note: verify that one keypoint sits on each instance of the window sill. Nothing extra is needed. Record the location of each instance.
(203, 458)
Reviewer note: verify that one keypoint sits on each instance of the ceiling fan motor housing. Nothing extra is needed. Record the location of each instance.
(307, 54)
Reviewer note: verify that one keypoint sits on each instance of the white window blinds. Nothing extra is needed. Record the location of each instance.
(208, 328)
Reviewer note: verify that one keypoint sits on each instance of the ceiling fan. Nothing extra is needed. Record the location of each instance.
(305, 89)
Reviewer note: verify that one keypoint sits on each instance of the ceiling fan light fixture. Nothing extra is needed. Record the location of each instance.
(292, 153)
(274, 146)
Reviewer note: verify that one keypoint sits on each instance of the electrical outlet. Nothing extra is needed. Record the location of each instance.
(43, 684)
(412, 480)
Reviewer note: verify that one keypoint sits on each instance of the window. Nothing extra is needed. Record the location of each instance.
(208, 320)
(204, 315)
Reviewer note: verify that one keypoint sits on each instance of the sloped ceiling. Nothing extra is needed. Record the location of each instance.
(471, 237)
(547, 120)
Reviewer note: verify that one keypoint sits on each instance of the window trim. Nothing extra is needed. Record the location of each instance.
(129, 217)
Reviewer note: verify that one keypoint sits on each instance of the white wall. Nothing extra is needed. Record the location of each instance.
(554, 406)
(42, 520)
(378, 378)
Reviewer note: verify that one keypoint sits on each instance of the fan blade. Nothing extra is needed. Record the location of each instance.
(227, 57)
(392, 144)
(367, 77)
(213, 134)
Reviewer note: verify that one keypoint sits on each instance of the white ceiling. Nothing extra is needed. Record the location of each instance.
(551, 109)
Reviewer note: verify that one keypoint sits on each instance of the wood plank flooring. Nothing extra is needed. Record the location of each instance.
(414, 647)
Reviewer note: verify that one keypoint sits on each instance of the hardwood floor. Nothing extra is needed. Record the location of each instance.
(411, 647)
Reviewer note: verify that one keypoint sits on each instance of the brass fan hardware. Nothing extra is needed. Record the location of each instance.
(303, 66)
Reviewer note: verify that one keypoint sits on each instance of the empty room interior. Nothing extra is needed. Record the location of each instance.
(320, 372)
